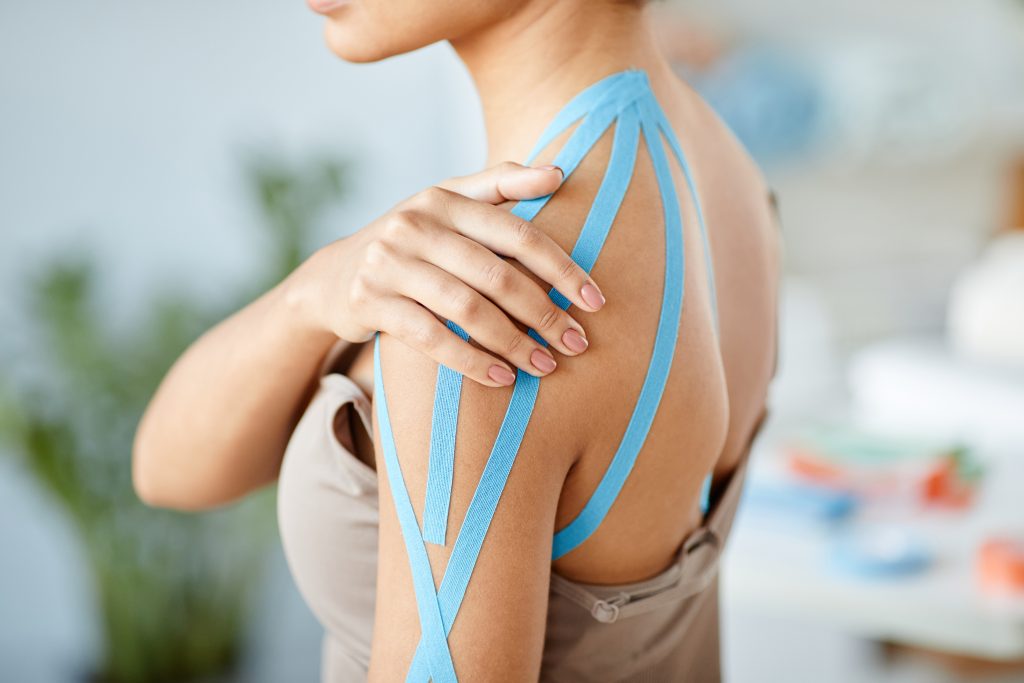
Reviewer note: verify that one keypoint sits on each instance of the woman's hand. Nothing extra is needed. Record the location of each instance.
(438, 254)
(433, 255)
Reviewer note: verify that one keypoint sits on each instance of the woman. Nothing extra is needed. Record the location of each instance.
(633, 598)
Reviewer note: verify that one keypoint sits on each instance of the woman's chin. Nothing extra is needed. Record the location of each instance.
(353, 48)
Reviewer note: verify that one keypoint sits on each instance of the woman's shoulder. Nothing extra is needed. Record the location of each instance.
(728, 193)
(731, 176)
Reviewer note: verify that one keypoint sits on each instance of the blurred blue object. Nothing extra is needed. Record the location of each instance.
(880, 552)
(799, 501)
(769, 100)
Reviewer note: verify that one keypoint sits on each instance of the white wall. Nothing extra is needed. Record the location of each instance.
(925, 100)
(122, 127)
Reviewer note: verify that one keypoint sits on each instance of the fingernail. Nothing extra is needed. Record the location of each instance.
(552, 167)
(501, 375)
(592, 295)
(542, 361)
(574, 340)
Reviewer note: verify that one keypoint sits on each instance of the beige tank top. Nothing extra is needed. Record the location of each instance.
(662, 629)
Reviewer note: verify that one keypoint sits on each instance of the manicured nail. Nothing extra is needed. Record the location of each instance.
(542, 360)
(592, 295)
(552, 167)
(501, 375)
(574, 340)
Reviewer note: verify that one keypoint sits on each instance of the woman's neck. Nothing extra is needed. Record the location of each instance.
(527, 66)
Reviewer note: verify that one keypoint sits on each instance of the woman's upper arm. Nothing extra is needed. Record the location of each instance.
(499, 630)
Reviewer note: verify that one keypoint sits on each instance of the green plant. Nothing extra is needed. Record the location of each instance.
(173, 589)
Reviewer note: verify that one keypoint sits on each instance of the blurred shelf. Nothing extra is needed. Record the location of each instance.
(786, 574)
(783, 568)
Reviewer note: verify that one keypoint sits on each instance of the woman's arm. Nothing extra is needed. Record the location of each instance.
(498, 633)
(219, 423)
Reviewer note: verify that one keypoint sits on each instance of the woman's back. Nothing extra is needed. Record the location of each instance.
(716, 388)
(712, 399)
(717, 382)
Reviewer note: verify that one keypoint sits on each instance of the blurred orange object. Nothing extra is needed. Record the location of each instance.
(937, 482)
(1000, 566)
(943, 485)
(810, 465)
(879, 466)
(1015, 214)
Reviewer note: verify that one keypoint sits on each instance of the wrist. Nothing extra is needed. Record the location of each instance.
(298, 295)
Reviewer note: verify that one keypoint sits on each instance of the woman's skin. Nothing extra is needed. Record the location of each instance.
(437, 251)
(220, 421)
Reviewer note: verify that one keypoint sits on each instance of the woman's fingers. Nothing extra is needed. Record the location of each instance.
(416, 327)
(509, 235)
(438, 255)
(499, 281)
(451, 298)
(506, 181)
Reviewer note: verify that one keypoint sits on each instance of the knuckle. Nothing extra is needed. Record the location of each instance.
(467, 305)
(568, 269)
(426, 337)
(378, 253)
(448, 290)
(524, 233)
(400, 224)
(514, 344)
(466, 363)
(549, 318)
(359, 291)
(497, 275)
(433, 197)
(507, 166)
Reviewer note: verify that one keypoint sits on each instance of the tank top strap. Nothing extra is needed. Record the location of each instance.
(692, 570)
(340, 389)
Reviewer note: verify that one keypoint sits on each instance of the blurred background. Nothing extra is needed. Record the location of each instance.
(160, 164)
